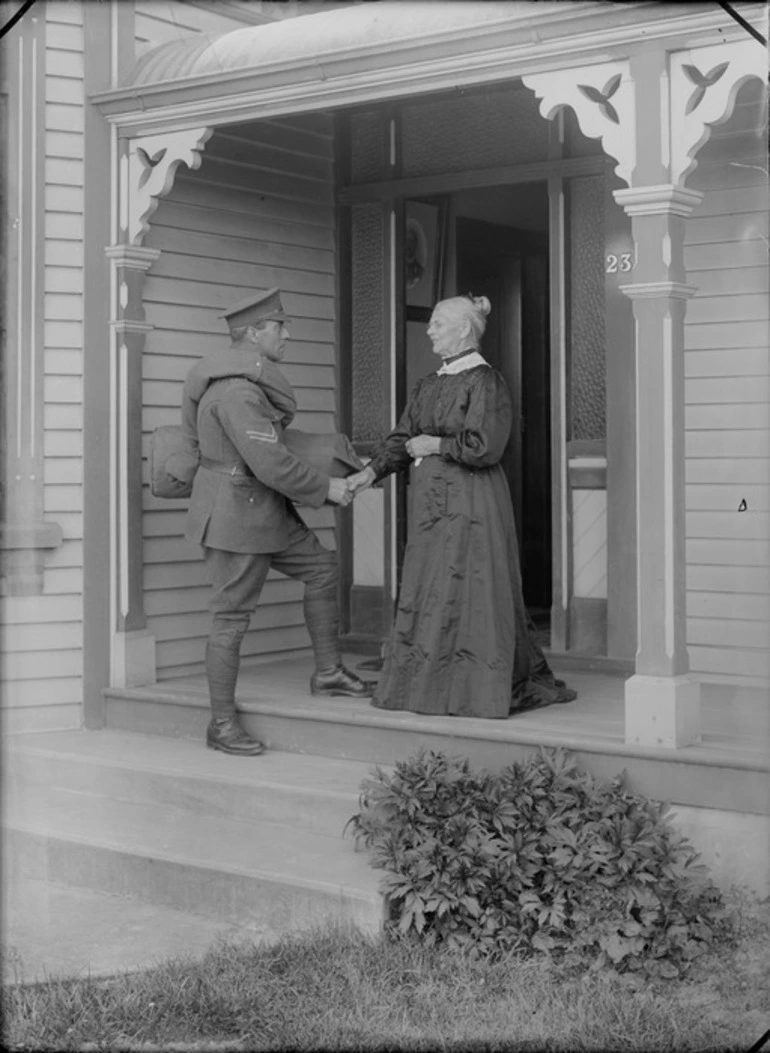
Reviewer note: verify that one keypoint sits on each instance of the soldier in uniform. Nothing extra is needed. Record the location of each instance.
(242, 511)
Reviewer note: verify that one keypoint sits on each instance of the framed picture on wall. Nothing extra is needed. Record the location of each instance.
(424, 239)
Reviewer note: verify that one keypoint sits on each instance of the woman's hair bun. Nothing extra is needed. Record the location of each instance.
(482, 304)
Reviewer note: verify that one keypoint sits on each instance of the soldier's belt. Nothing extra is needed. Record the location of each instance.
(224, 469)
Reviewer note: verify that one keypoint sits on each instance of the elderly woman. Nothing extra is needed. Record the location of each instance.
(462, 641)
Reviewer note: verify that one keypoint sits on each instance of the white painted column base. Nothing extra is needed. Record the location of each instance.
(662, 711)
(133, 658)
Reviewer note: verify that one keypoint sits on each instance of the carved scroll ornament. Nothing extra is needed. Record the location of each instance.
(704, 85)
(602, 97)
(147, 173)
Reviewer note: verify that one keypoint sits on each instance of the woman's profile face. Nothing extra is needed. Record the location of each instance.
(446, 331)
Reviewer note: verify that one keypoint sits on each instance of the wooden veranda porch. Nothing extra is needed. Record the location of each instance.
(719, 788)
(736, 719)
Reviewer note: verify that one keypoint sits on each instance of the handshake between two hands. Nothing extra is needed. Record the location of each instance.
(342, 491)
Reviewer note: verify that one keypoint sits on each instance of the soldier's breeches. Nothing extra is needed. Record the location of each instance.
(223, 653)
(237, 579)
(322, 617)
(308, 561)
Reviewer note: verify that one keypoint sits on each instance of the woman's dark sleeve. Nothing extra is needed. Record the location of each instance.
(487, 425)
(390, 455)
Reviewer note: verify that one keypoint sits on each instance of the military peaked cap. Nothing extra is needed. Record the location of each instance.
(259, 307)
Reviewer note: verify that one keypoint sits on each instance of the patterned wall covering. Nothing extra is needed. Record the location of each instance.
(586, 341)
(473, 131)
(368, 279)
(367, 153)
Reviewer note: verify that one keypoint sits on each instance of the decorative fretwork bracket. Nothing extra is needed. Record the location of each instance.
(704, 85)
(602, 97)
(147, 172)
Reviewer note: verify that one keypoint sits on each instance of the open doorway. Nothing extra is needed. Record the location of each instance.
(497, 246)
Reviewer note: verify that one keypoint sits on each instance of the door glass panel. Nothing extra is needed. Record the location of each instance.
(478, 130)
(368, 321)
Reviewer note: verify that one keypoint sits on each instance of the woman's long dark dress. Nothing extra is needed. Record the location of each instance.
(453, 647)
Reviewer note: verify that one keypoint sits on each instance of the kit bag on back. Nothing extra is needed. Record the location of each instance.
(174, 460)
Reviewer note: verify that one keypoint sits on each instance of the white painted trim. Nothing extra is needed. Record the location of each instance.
(563, 465)
(361, 75)
(566, 87)
(114, 44)
(133, 658)
(587, 462)
(130, 325)
(122, 469)
(152, 165)
(658, 291)
(113, 440)
(658, 200)
(133, 257)
(662, 711)
(20, 258)
(393, 414)
(392, 314)
(32, 393)
(638, 494)
(122, 194)
(663, 290)
(665, 119)
(692, 118)
(669, 496)
(117, 201)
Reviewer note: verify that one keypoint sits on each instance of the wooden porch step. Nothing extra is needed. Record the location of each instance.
(152, 821)
(728, 771)
(305, 792)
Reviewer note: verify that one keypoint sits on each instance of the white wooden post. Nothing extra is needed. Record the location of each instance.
(662, 702)
(653, 112)
(146, 168)
(678, 98)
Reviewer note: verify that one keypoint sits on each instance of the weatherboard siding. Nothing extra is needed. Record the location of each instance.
(727, 413)
(258, 213)
(162, 21)
(41, 638)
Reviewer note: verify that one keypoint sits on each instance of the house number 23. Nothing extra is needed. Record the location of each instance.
(619, 264)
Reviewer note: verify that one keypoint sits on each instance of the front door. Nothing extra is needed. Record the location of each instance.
(510, 267)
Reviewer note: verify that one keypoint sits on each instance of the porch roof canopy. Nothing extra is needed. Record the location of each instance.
(373, 51)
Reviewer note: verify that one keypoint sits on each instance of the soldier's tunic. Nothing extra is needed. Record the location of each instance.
(238, 406)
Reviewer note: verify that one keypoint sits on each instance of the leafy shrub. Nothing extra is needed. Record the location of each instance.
(541, 857)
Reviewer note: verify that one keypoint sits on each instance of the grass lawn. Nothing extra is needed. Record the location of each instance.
(336, 989)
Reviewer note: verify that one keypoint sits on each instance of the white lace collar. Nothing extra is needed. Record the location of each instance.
(459, 365)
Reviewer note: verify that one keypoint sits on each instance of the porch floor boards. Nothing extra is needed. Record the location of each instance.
(735, 719)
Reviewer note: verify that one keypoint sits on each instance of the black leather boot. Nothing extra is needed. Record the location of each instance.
(340, 681)
(228, 736)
